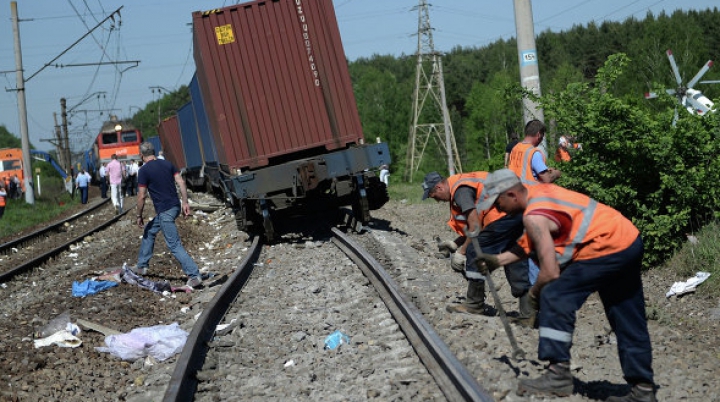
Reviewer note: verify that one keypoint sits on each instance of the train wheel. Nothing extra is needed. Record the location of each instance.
(241, 216)
(267, 221)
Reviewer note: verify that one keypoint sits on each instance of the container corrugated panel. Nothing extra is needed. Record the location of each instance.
(189, 136)
(169, 132)
(207, 144)
(155, 140)
(274, 79)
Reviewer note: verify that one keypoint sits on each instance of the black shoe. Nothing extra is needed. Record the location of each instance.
(557, 381)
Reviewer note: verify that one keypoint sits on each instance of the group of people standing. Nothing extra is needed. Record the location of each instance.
(10, 187)
(120, 178)
(557, 247)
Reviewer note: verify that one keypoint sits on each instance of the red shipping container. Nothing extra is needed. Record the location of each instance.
(169, 132)
(275, 81)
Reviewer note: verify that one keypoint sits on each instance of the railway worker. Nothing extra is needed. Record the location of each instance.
(582, 246)
(498, 232)
(159, 178)
(527, 161)
(115, 172)
(82, 181)
(102, 174)
(563, 153)
(3, 200)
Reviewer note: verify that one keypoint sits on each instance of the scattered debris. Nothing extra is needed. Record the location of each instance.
(336, 339)
(689, 286)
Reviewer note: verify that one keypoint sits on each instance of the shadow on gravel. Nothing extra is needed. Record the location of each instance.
(600, 390)
(384, 225)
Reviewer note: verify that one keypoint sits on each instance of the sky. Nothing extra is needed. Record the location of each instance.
(145, 50)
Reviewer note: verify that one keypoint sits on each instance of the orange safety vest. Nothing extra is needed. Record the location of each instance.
(2, 200)
(596, 229)
(562, 155)
(476, 180)
(521, 162)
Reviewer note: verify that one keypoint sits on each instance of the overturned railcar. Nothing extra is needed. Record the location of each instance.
(276, 90)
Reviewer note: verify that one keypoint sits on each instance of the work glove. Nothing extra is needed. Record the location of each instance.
(457, 262)
(487, 263)
(446, 247)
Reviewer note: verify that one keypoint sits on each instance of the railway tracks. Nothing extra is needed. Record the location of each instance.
(392, 334)
(33, 249)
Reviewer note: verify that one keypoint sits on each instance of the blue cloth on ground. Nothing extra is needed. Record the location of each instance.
(90, 287)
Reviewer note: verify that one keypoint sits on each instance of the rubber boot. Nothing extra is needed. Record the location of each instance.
(527, 315)
(557, 381)
(638, 393)
(474, 302)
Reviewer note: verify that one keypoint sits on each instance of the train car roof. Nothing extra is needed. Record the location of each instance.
(109, 126)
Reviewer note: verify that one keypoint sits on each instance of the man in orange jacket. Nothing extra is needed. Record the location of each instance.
(528, 161)
(582, 246)
(497, 232)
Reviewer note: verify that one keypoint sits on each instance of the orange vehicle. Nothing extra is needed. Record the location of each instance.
(11, 164)
(117, 137)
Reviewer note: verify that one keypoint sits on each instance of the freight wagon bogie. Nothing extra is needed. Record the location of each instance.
(264, 197)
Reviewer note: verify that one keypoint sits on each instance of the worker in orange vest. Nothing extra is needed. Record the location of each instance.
(582, 247)
(496, 232)
(528, 161)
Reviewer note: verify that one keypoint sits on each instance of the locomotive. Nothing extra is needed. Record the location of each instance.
(272, 126)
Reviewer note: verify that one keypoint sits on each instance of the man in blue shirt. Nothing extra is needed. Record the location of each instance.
(159, 178)
(82, 181)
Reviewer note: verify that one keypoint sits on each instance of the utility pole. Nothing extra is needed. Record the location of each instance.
(66, 140)
(528, 59)
(22, 108)
(59, 144)
(429, 87)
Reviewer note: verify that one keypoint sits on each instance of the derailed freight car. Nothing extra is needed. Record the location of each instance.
(277, 92)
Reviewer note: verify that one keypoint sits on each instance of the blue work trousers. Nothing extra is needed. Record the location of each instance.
(617, 280)
(83, 194)
(494, 239)
(165, 221)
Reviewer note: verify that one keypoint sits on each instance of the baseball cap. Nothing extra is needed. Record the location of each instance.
(431, 180)
(497, 183)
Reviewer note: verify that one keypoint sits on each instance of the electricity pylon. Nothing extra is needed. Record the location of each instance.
(430, 115)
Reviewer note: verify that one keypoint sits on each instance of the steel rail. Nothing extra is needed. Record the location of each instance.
(183, 382)
(451, 376)
(39, 259)
(30, 236)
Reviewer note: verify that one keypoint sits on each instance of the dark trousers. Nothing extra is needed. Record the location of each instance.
(617, 280)
(83, 194)
(103, 187)
(130, 185)
(496, 238)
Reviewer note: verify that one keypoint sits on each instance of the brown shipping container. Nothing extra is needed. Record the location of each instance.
(169, 133)
(275, 80)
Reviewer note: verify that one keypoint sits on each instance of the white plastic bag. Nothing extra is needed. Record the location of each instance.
(160, 342)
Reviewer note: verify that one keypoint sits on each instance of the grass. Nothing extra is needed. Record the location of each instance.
(20, 215)
(703, 256)
(411, 192)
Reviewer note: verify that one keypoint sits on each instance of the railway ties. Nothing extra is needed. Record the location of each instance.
(33, 249)
(294, 298)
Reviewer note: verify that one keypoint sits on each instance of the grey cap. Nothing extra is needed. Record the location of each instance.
(497, 183)
(431, 180)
